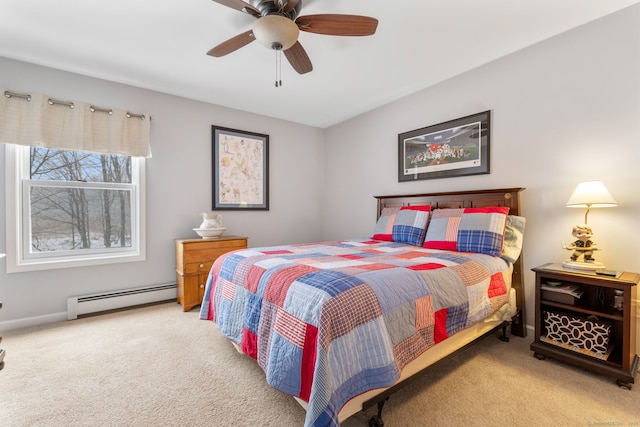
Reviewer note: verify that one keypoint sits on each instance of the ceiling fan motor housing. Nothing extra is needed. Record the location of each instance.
(272, 7)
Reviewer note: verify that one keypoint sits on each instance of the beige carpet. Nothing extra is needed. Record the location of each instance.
(158, 366)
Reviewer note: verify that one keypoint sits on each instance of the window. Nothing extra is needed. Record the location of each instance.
(73, 208)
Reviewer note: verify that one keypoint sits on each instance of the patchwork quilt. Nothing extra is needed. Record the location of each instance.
(329, 321)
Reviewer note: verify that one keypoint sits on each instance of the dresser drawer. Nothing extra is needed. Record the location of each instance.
(198, 267)
(197, 254)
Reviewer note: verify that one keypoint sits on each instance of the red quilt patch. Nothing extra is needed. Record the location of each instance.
(440, 330)
(308, 362)
(249, 343)
(497, 286)
(426, 266)
(281, 280)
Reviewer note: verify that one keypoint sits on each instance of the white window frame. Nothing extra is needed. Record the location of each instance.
(18, 216)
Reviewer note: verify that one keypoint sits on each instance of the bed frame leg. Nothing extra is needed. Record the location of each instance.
(376, 420)
(504, 337)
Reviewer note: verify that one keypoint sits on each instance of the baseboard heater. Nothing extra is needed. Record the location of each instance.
(95, 303)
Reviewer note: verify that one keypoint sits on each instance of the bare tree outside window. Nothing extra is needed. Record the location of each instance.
(79, 200)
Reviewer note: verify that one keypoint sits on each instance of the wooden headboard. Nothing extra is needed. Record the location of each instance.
(508, 197)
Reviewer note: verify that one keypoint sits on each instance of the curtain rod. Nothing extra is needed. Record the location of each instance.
(17, 95)
(101, 110)
(137, 116)
(52, 101)
(55, 101)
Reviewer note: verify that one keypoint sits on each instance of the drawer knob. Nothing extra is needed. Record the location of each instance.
(201, 265)
(201, 286)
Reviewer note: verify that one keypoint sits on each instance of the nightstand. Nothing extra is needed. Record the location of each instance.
(194, 258)
(605, 303)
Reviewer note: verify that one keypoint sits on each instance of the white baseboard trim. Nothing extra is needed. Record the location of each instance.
(26, 322)
(530, 330)
(130, 298)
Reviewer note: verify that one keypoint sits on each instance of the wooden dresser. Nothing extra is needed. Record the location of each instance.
(194, 258)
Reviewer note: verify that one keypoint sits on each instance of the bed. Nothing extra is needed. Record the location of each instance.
(341, 325)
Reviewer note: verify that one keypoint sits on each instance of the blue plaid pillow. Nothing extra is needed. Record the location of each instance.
(384, 226)
(468, 230)
(410, 226)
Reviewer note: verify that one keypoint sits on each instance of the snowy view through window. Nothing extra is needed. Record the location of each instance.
(79, 201)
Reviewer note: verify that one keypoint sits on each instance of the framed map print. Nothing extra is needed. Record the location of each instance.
(240, 161)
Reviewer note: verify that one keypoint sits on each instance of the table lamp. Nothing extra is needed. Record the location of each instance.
(589, 194)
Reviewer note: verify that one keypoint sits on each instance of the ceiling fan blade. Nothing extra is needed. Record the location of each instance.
(298, 58)
(233, 44)
(338, 25)
(241, 6)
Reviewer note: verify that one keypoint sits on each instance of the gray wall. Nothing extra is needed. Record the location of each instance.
(178, 189)
(563, 111)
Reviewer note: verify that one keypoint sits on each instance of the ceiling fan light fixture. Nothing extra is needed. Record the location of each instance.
(276, 32)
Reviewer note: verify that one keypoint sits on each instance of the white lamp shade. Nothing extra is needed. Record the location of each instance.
(276, 32)
(591, 194)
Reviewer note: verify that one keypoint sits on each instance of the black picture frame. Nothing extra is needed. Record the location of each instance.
(453, 148)
(240, 166)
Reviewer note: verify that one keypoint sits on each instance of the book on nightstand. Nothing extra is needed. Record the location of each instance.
(565, 294)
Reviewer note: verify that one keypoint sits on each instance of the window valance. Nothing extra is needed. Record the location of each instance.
(40, 120)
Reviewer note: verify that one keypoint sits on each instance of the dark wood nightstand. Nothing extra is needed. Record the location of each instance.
(605, 300)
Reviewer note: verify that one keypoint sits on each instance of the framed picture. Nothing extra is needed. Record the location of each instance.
(240, 169)
(455, 148)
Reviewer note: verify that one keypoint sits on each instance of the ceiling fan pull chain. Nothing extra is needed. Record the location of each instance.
(278, 68)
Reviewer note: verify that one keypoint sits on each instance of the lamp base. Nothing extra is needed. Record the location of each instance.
(581, 265)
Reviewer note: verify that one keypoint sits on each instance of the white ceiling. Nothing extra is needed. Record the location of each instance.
(161, 45)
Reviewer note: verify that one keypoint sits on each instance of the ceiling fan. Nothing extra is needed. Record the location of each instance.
(279, 24)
